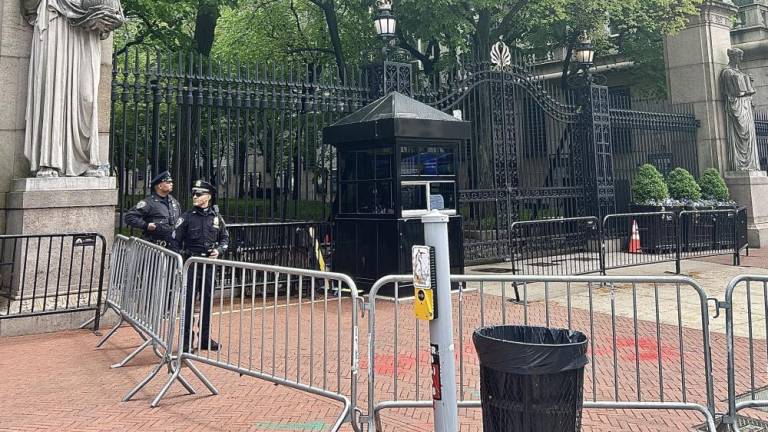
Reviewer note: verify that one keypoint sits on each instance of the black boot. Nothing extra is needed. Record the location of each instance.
(210, 345)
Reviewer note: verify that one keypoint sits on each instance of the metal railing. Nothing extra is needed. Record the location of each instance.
(746, 297)
(582, 245)
(42, 274)
(145, 288)
(556, 246)
(269, 315)
(287, 244)
(625, 348)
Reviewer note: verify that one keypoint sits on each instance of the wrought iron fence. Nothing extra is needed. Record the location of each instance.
(655, 132)
(50, 274)
(761, 128)
(256, 132)
(253, 130)
(305, 245)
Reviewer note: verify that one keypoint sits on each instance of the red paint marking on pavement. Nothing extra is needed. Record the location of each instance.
(647, 350)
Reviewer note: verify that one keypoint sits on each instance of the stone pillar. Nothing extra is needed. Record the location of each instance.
(749, 189)
(31, 206)
(15, 47)
(694, 58)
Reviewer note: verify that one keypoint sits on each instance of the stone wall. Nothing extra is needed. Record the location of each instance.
(15, 42)
(751, 35)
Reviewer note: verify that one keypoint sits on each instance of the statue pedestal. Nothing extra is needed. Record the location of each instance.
(750, 189)
(55, 272)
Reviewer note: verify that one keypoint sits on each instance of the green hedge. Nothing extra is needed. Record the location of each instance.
(649, 185)
(682, 186)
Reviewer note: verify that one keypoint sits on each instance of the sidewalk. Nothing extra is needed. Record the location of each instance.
(59, 381)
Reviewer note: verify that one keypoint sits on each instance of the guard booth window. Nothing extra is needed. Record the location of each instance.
(366, 181)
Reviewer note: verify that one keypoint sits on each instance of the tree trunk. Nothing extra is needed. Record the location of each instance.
(329, 10)
(205, 26)
(483, 35)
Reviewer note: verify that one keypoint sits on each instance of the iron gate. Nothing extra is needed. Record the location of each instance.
(536, 151)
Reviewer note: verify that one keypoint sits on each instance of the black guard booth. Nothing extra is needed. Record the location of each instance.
(396, 160)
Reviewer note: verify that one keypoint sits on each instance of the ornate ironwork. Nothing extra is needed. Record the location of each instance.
(600, 189)
(535, 150)
(385, 78)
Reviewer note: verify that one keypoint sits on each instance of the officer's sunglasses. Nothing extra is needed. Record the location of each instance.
(199, 194)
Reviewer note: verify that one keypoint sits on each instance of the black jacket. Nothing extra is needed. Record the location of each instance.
(163, 212)
(198, 231)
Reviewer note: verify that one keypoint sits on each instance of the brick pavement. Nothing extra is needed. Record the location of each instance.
(59, 381)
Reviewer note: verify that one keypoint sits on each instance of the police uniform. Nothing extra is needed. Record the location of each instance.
(197, 233)
(161, 211)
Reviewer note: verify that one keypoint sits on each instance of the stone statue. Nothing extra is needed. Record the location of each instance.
(738, 90)
(62, 128)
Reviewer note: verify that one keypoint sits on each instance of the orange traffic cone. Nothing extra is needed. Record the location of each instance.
(634, 241)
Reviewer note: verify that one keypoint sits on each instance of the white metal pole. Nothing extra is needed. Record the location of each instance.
(441, 328)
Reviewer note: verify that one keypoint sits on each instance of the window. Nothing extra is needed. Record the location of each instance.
(366, 177)
(426, 161)
(419, 197)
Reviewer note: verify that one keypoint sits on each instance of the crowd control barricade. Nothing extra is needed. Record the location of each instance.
(44, 274)
(145, 290)
(632, 239)
(637, 359)
(556, 246)
(286, 244)
(710, 232)
(746, 309)
(293, 327)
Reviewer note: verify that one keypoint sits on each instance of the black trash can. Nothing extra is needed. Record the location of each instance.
(531, 378)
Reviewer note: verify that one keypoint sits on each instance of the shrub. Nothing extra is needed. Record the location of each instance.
(649, 185)
(713, 186)
(682, 186)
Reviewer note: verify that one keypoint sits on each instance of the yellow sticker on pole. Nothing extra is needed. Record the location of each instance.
(423, 264)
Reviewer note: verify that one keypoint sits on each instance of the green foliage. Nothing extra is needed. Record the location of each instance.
(649, 185)
(713, 186)
(682, 185)
(300, 31)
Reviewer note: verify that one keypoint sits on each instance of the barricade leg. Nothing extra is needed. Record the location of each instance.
(175, 374)
(132, 355)
(144, 382)
(111, 332)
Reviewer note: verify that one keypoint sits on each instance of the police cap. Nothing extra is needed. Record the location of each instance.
(203, 186)
(164, 176)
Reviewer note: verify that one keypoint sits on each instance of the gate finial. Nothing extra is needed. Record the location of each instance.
(500, 56)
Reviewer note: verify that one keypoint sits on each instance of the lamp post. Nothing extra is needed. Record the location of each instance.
(385, 24)
(584, 55)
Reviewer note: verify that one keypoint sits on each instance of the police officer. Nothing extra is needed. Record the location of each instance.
(201, 232)
(156, 214)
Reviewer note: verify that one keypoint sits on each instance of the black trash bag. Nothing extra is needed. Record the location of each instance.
(531, 378)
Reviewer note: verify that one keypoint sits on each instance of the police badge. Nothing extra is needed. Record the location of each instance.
(216, 222)
(141, 204)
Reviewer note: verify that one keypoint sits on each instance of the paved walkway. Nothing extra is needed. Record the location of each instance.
(59, 381)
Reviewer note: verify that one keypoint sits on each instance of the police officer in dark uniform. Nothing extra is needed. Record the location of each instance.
(201, 232)
(156, 214)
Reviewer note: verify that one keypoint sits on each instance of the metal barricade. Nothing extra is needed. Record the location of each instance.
(708, 232)
(43, 274)
(746, 310)
(556, 246)
(293, 327)
(634, 354)
(632, 239)
(145, 290)
(288, 244)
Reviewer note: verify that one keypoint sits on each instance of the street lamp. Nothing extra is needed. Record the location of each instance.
(584, 52)
(385, 23)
